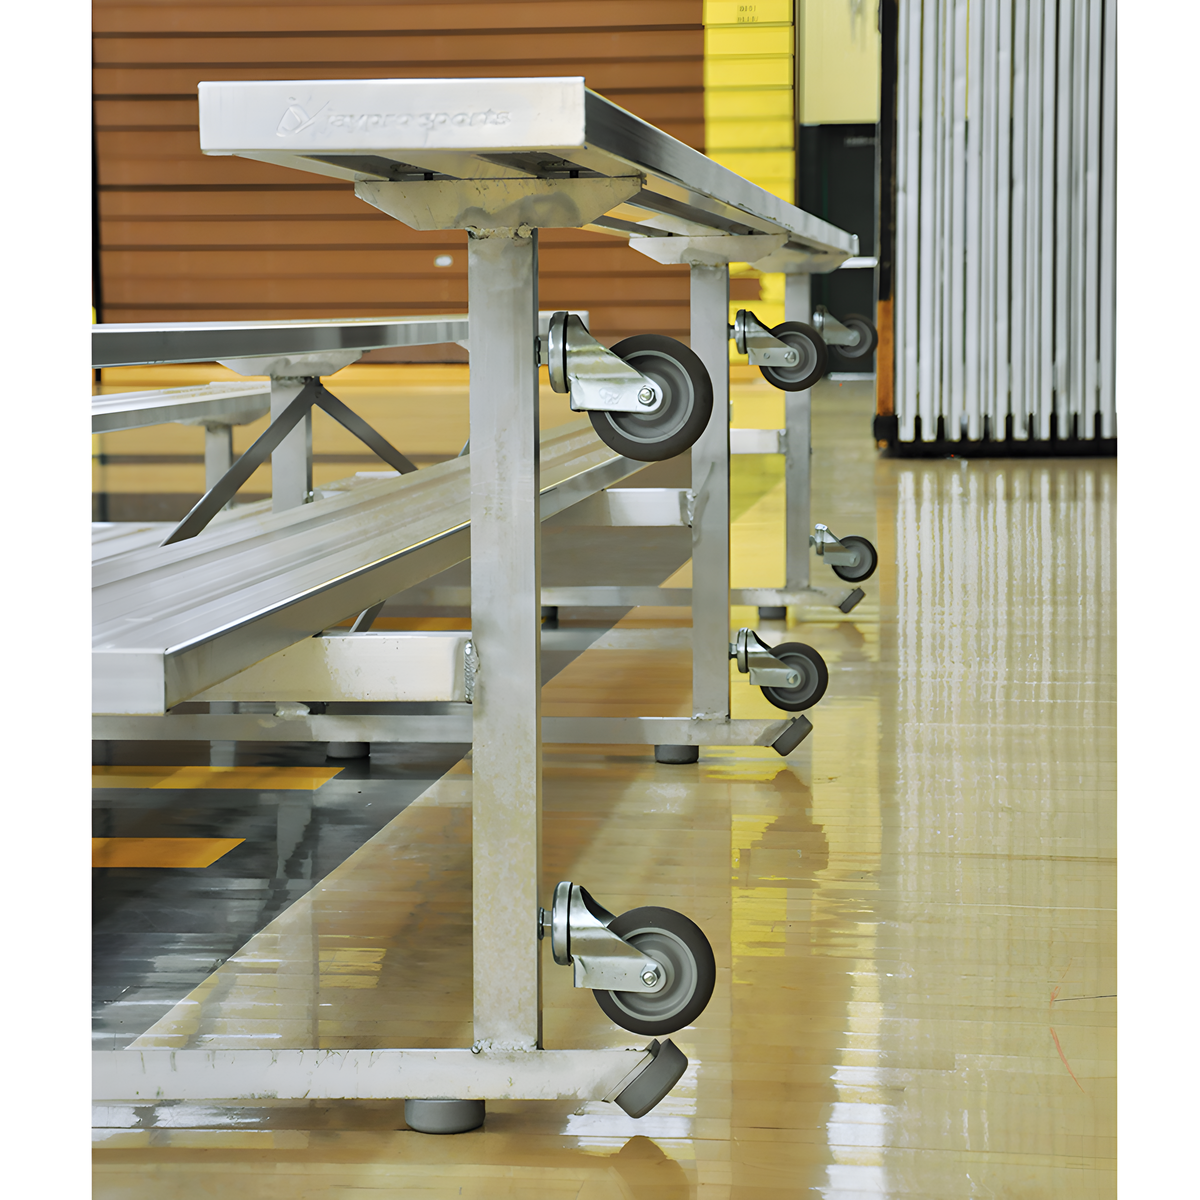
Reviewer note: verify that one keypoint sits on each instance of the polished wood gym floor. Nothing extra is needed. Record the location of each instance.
(913, 915)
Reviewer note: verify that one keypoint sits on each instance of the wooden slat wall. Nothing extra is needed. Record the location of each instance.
(185, 237)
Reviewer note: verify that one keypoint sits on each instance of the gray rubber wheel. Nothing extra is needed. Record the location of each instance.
(864, 568)
(868, 338)
(814, 677)
(680, 946)
(813, 357)
(684, 415)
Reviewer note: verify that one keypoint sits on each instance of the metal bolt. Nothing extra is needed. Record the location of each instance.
(646, 396)
(649, 977)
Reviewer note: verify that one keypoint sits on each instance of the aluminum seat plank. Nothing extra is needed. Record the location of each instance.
(404, 130)
(170, 621)
(224, 403)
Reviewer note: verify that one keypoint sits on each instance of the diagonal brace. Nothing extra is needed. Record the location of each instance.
(356, 425)
(314, 392)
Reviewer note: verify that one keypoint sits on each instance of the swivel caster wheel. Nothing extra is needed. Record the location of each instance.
(814, 677)
(675, 424)
(680, 947)
(866, 560)
(868, 338)
(813, 357)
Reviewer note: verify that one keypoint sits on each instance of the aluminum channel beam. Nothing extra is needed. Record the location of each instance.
(152, 1076)
(449, 723)
(170, 621)
(218, 403)
(208, 341)
(402, 130)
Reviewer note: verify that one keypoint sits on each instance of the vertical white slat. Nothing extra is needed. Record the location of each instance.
(1108, 225)
(1091, 282)
(945, 76)
(1004, 55)
(1063, 194)
(927, 334)
(1033, 219)
(1045, 409)
(974, 238)
(958, 213)
(912, 219)
(1079, 140)
(1017, 296)
(900, 268)
(987, 219)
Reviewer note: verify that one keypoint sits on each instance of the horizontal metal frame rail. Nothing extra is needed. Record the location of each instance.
(145, 344)
(148, 1075)
(215, 403)
(454, 726)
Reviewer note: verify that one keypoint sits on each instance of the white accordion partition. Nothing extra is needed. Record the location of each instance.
(1005, 219)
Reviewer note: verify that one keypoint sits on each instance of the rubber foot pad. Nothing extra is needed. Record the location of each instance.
(443, 1116)
(792, 736)
(851, 600)
(676, 754)
(773, 613)
(663, 1073)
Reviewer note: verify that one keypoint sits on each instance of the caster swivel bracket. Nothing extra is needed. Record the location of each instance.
(597, 380)
(833, 551)
(579, 936)
(754, 657)
(755, 340)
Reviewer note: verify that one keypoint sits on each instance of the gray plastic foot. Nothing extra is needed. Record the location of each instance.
(663, 1073)
(851, 600)
(772, 612)
(443, 1116)
(792, 736)
(549, 616)
(348, 750)
(676, 754)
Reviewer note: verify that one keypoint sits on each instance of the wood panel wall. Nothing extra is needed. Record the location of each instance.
(185, 237)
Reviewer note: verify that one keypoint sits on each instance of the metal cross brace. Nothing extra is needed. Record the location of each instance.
(313, 393)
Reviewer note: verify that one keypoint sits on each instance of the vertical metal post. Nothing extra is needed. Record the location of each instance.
(710, 482)
(505, 612)
(291, 461)
(797, 467)
(218, 453)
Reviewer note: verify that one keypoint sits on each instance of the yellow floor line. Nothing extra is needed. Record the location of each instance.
(305, 779)
(160, 852)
